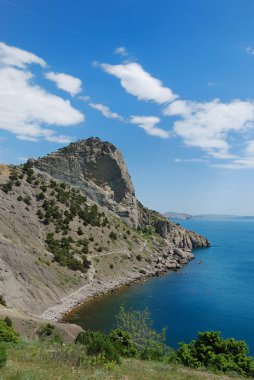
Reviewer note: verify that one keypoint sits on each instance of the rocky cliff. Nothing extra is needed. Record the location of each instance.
(71, 228)
(99, 170)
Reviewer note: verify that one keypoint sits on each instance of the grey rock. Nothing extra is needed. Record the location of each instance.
(99, 170)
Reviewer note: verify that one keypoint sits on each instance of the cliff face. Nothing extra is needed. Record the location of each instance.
(99, 170)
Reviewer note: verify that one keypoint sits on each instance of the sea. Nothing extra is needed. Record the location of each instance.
(215, 291)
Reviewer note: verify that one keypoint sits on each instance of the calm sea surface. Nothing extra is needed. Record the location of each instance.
(213, 292)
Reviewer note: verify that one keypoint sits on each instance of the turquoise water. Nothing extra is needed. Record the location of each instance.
(213, 292)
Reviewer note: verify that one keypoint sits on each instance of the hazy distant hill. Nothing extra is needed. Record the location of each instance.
(177, 215)
(182, 216)
(221, 217)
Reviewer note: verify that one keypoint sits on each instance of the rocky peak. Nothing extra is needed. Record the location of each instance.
(99, 170)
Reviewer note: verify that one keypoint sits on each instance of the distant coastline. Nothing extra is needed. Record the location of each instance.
(183, 216)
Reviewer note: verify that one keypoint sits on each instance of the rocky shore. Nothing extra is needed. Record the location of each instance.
(96, 288)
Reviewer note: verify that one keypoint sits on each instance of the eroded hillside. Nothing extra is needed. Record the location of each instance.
(59, 247)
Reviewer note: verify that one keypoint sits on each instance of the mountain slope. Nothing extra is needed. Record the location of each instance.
(58, 247)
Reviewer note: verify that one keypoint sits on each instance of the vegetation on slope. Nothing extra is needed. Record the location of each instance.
(134, 350)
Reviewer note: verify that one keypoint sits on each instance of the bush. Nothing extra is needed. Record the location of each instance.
(212, 351)
(79, 231)
(7, 187)
(150, 343)
(46, 330)
(124, 343)
(2, 301)
(3, 356)
(7, 333)
(8, 321)
(27, 199)
(113, 235)
(98, 343)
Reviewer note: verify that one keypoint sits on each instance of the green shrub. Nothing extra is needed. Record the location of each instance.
(79, 231)
(113, 235)
(212, 351)
(7, 333)
(98, 343)
(46, 330)
(150, 343)
(27, 199)
(19, 198)
(2, 301)
(7, 187)
(40, 196)
(124, 343)
(17, 183)
(8, 321)
(3, 356)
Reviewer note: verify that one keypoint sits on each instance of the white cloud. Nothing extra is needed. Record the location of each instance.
(148, 123)
(245, 162)
(26, 108)
(12, 56)
(66, 82)
(84, 98)
(209, 125)
(105, 111)
(136, 81)
(121, 51)
(241, 163)
(191, 160)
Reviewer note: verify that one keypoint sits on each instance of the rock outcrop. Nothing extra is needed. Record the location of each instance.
(99, 170)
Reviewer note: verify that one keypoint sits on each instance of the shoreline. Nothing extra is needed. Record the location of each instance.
(89, 292)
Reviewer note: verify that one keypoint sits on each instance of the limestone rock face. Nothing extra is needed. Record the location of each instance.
(99, 170)
(181, 237)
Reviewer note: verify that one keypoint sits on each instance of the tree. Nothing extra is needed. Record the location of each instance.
(150, 344)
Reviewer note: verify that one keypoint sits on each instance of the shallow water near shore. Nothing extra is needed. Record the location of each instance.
(213, 292)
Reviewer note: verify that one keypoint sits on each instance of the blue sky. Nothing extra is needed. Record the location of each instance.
(169, 82)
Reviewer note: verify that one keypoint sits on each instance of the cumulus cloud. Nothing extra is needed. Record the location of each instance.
(66, 82)
(13, 56)
(121, 51)
(136, 81)
(26, 108)
(209, 125)
(148, 123)
(105, 111)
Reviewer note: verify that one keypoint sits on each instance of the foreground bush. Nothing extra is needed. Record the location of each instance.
(210, 350)
(3, 356)
(150, 344)
(97, 343)
(7, 333)
(123, 342)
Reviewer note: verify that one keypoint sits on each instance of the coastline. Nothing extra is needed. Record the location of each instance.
(92, 291)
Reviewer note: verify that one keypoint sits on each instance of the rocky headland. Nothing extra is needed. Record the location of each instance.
(71, 228)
